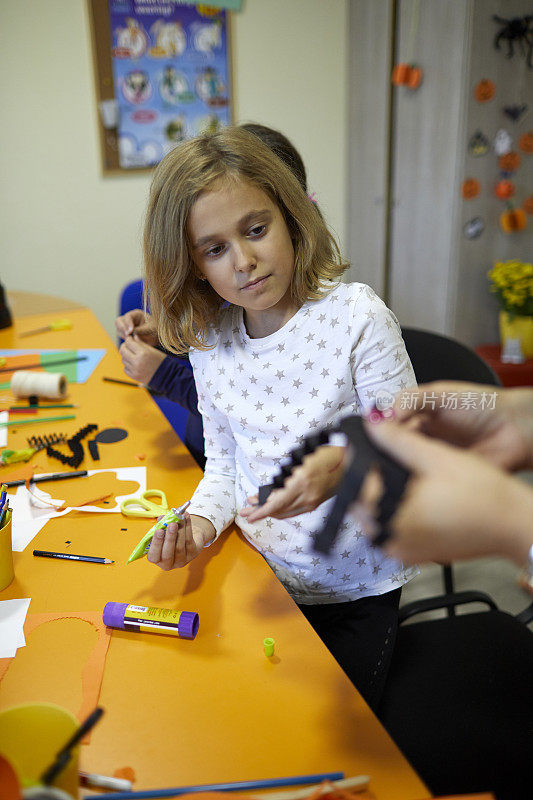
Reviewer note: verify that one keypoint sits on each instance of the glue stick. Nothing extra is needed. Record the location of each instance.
(149, 619)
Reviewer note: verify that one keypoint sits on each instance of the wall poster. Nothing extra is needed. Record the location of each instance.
(171, 75)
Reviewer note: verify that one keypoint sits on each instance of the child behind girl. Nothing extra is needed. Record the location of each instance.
(292, 351)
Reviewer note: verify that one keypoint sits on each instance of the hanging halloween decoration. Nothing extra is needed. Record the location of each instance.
(478, 144)
(515, 111)
(503, 142)
(519, 31)
(504, 189)
(525, 143)
(484, 91)
(470, 188)
(407, 73)
(513, 220)
(527, 205)
(474, 228)
(509, 162)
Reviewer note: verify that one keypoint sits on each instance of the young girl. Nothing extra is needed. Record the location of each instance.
(241, 268)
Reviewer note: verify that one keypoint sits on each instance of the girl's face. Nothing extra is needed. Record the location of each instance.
(242, 246)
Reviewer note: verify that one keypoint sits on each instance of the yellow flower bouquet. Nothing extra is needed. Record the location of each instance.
(512, 282)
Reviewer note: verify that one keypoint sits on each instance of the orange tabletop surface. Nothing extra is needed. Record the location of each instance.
(180, 712)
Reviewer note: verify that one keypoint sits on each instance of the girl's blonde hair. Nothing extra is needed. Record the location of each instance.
(183, 306)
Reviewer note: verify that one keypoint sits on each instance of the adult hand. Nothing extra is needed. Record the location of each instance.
(493, 422)
(180, 542)
(137, 322)
(309, 485)
(140, 360)
(456, 504)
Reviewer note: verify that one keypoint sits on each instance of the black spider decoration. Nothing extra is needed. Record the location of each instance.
(518, 29)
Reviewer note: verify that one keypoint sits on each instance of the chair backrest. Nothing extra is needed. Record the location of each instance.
(436, 357)
(131, 297)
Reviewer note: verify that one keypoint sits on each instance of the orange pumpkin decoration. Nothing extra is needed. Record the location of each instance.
(400, 74)
(484, 91)
(510, 161)
(415, 78)
(504, 189)
(525, 142)
(470, 188)
(527, 205)
(513, 220)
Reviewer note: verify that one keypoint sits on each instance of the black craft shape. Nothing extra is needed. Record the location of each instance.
(76, 447)
(110, 435)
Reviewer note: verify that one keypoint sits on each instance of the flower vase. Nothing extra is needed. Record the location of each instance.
(513, 326)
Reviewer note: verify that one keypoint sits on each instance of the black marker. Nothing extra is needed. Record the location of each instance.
(72, 557)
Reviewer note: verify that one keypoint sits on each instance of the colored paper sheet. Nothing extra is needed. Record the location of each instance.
(93, 668)
(12, 617)
(76, 371)
(27, 520)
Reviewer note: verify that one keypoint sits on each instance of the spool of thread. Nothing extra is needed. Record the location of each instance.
(52, 385)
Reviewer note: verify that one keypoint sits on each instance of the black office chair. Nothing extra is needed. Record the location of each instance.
(437, 358)
(459, 699)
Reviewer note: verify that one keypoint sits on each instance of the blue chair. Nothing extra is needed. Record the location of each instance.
(132, 297)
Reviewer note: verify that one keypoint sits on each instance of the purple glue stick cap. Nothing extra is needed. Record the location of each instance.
(113, 615)
(188, 624)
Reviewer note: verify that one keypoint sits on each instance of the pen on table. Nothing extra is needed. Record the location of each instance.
(237, 786)
(54, 476)
(35, 408)
(64, 755)
(136, 385)
(104, 782)
(72, 557)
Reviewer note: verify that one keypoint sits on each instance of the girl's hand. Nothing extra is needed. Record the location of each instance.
(456, 505)
(309, 485)
(140, 360)
(137, 322)
(500, 430)
(180, 542)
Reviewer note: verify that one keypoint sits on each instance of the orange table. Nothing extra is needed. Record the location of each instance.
(182, 712)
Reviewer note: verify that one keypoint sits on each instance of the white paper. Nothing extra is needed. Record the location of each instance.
(4, 417)
(12, 618)
(27, 520)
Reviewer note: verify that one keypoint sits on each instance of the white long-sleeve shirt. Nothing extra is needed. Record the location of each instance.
(260, 397)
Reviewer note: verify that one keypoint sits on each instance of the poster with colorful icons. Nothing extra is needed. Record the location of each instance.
(171, 73)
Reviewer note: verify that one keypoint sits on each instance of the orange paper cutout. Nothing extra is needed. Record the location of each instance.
(20, 473)
(91, 489)
(14, 363)
(93, 669)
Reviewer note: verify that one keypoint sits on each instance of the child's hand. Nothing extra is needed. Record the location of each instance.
(137, 322)
(309, 485)
(140, 360)
(180, 542)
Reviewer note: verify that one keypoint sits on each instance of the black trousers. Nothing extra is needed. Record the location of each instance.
(360, 635)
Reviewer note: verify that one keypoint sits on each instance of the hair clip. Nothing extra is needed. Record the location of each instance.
(313, 198)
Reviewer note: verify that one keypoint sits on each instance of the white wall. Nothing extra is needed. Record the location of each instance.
(67, 230)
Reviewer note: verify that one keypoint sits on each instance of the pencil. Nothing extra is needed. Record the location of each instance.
(126, 383)
(44, 366)
(55, 476)
(72, 557)
(237, 786)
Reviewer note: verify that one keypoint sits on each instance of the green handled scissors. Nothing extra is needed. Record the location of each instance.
(143, 507)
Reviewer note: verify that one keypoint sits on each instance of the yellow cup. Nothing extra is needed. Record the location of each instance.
(6, 554)
(31, 735)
